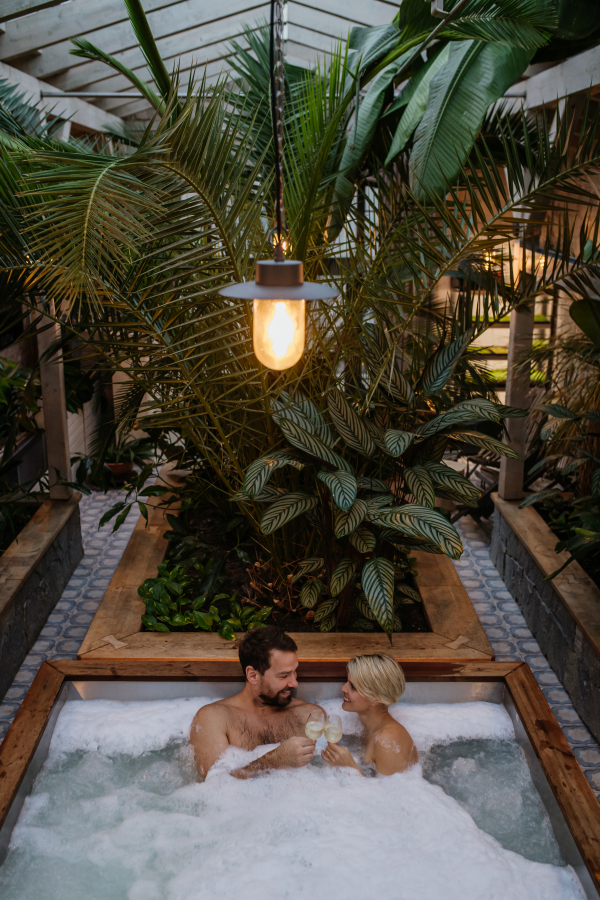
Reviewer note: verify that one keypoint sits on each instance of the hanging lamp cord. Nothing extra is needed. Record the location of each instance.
(277, 98)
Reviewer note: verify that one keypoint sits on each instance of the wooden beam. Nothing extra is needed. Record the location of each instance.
(518, 393)
(21, 742)
(90, 117)
(55, 410)
(576, 74)
(12, 9)
(568, 783)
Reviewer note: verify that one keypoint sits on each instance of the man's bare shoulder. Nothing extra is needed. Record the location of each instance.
(213, 712)
(303, 706)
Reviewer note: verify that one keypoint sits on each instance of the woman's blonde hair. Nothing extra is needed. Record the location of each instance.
(377, 677)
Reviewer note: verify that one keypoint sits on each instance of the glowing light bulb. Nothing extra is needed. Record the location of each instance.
(278, 332)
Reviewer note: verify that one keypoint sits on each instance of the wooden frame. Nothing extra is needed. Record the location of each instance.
(574, 795)
(115, 632)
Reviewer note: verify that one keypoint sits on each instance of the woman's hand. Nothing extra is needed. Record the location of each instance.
(339, 756)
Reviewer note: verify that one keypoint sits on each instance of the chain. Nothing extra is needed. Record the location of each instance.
(277, 102)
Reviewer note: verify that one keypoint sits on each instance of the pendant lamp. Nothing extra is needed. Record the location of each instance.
(279, 293)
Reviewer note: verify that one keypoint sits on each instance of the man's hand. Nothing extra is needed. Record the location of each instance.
(339, 756)
(294, 753)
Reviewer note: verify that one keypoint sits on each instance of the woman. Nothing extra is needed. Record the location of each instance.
(375, 682)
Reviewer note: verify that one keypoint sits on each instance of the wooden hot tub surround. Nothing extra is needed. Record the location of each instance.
(566, 780)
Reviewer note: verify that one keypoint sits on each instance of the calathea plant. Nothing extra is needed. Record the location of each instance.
(366, 481)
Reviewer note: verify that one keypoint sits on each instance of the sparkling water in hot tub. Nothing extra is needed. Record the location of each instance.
(117, 813)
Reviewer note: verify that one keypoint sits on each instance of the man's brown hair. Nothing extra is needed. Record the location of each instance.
(256, 647)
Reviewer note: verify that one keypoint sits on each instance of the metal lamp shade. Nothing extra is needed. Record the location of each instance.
(279, 281)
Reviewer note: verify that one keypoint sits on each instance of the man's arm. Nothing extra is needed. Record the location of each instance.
(291, 754)
(208, 737)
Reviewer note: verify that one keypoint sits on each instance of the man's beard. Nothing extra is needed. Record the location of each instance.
(275, 699)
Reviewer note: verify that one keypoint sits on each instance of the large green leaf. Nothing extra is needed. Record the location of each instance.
(363, 539)
(455, 484)
(416, 106)
(488, 443)
(381, 361)
(315, 417)
(310, 443)
(371, 484)
(476, 75)
(376, 503)
(349, 425)
(342, 574)
(442, 364)
(420, 485)
(285, 509)
(378, 585)
(397, 442)
(311, 592)
(419, 521)
(342, 485)
(310, 564)
(586, 315)
(346, 522)
(324, 614)
(259, 472)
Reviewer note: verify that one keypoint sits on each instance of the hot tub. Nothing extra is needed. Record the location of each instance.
(572, 809)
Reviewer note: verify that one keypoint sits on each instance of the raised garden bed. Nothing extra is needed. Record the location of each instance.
(563, 614)
(115, 632)
(34, 571)
(572, 808)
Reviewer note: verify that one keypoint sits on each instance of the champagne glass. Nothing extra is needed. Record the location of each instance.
(315, 725)
(333, 729)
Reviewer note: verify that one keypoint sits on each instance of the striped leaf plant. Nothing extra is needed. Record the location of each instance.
(364, 486)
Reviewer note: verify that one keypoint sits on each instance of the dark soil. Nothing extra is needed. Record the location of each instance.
(256, 581)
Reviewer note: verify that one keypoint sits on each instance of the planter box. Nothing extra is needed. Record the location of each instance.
(115, 632)
(34, 571)
(563, 788)
(563, 614)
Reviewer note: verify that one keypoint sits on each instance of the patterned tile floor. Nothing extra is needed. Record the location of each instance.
(511, 639)
(500, 616)
(67, 624)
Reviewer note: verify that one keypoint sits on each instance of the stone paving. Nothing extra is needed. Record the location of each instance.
(500, 616)
(67, 624)
(511, 639)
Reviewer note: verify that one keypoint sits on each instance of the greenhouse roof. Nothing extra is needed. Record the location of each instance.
(36, 37)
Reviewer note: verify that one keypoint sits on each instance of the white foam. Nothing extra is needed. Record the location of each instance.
(129, 828)
(136, 727)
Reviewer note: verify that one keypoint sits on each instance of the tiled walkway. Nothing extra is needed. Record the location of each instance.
(511, 639)
(500, 616)
(67, 624)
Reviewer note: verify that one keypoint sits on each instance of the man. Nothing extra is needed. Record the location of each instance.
(264, 712)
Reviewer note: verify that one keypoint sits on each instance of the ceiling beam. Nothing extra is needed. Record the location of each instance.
(11, 9)
(61, 23)
(78, 111)
(57, 59)
(357, 12)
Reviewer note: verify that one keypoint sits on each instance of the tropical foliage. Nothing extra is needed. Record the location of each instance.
(183, 599)
(366, 480)
(134, 246)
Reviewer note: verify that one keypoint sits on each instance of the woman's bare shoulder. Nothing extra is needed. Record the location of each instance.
(394, 749)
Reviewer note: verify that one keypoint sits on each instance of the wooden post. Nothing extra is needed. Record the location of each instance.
(55, 411)
(518, 391)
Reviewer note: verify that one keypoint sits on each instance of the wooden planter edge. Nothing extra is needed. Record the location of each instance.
(576, 590)
(23, 555)
(566, 779)
(115, 632)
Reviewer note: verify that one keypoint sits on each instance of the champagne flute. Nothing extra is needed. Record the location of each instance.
(333, 729)
(315, 725)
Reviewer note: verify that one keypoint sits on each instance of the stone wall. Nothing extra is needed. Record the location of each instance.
(26, 615)
(568, 651)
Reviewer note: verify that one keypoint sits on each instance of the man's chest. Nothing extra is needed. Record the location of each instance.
(249, 732)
